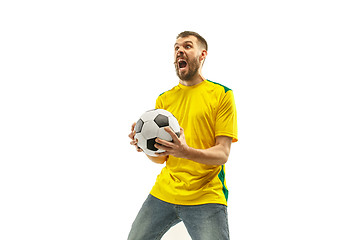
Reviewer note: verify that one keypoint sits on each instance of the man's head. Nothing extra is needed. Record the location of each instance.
(199, 38)
(190, 51)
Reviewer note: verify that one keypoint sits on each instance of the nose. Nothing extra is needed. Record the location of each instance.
(180, 52)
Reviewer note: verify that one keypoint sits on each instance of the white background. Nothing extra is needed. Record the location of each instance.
(75, 75)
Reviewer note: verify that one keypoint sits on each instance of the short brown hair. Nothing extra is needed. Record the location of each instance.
(198, 37)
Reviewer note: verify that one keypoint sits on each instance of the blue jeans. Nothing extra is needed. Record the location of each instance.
(203, 222)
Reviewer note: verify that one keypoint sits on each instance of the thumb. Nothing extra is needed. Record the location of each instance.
(181, 131)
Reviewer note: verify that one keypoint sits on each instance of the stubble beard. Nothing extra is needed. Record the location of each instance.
(193, 68)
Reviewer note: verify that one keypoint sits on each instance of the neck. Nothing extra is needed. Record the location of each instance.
(191, 82)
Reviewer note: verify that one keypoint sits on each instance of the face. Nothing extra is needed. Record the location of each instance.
(187, 55)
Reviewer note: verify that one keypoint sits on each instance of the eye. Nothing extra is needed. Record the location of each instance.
(176, 48)
(188, 46)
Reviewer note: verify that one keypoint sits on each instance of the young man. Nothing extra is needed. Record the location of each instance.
(191, 187)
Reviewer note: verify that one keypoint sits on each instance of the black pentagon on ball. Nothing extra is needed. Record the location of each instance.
(161, 120)
(150, 144)
(139, 125)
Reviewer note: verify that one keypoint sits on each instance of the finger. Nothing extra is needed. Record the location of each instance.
(162, 147)
(163, 142)
(133, 126)
(134, 142)
(172, 134)
(132, 135)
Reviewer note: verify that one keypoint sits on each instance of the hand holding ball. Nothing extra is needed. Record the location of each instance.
(151, 126)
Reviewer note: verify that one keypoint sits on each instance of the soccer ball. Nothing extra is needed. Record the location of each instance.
(151, 126)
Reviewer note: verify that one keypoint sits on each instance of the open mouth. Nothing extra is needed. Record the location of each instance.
(182, 63)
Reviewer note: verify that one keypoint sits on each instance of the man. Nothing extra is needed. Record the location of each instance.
(191, 187)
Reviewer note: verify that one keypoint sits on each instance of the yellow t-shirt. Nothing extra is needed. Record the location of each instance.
(205, 111)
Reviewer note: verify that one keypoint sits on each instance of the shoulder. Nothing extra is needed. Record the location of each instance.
(218, 86)
(219, 90)
(223, 94)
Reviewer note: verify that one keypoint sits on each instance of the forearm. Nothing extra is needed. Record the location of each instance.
(158, 160)
(217, 155)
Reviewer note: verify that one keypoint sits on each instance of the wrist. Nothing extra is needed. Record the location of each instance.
(188, 152)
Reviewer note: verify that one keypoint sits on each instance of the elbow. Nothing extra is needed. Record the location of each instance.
(224, 160)
(158, 160)
(225, 156)
(223, 146)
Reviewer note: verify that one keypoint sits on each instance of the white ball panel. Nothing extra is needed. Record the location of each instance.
(149, 115)
(163, 112)
(152, 153)
(149, 130)
(141, 141)
(149, 152)
(173, 123)
(162, 134)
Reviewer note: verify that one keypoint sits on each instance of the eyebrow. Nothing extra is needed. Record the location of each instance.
(184, 43)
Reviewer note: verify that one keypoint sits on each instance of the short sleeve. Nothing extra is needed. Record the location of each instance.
(226, 118)
(159, 103)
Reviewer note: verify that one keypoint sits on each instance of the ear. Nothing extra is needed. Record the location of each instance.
(203, 55)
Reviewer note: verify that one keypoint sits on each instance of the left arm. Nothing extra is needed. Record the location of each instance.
(216, 155)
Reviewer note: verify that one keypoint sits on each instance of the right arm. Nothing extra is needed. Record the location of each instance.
(159, 160)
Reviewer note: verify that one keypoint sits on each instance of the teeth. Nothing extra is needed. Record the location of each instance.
(179, 60)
